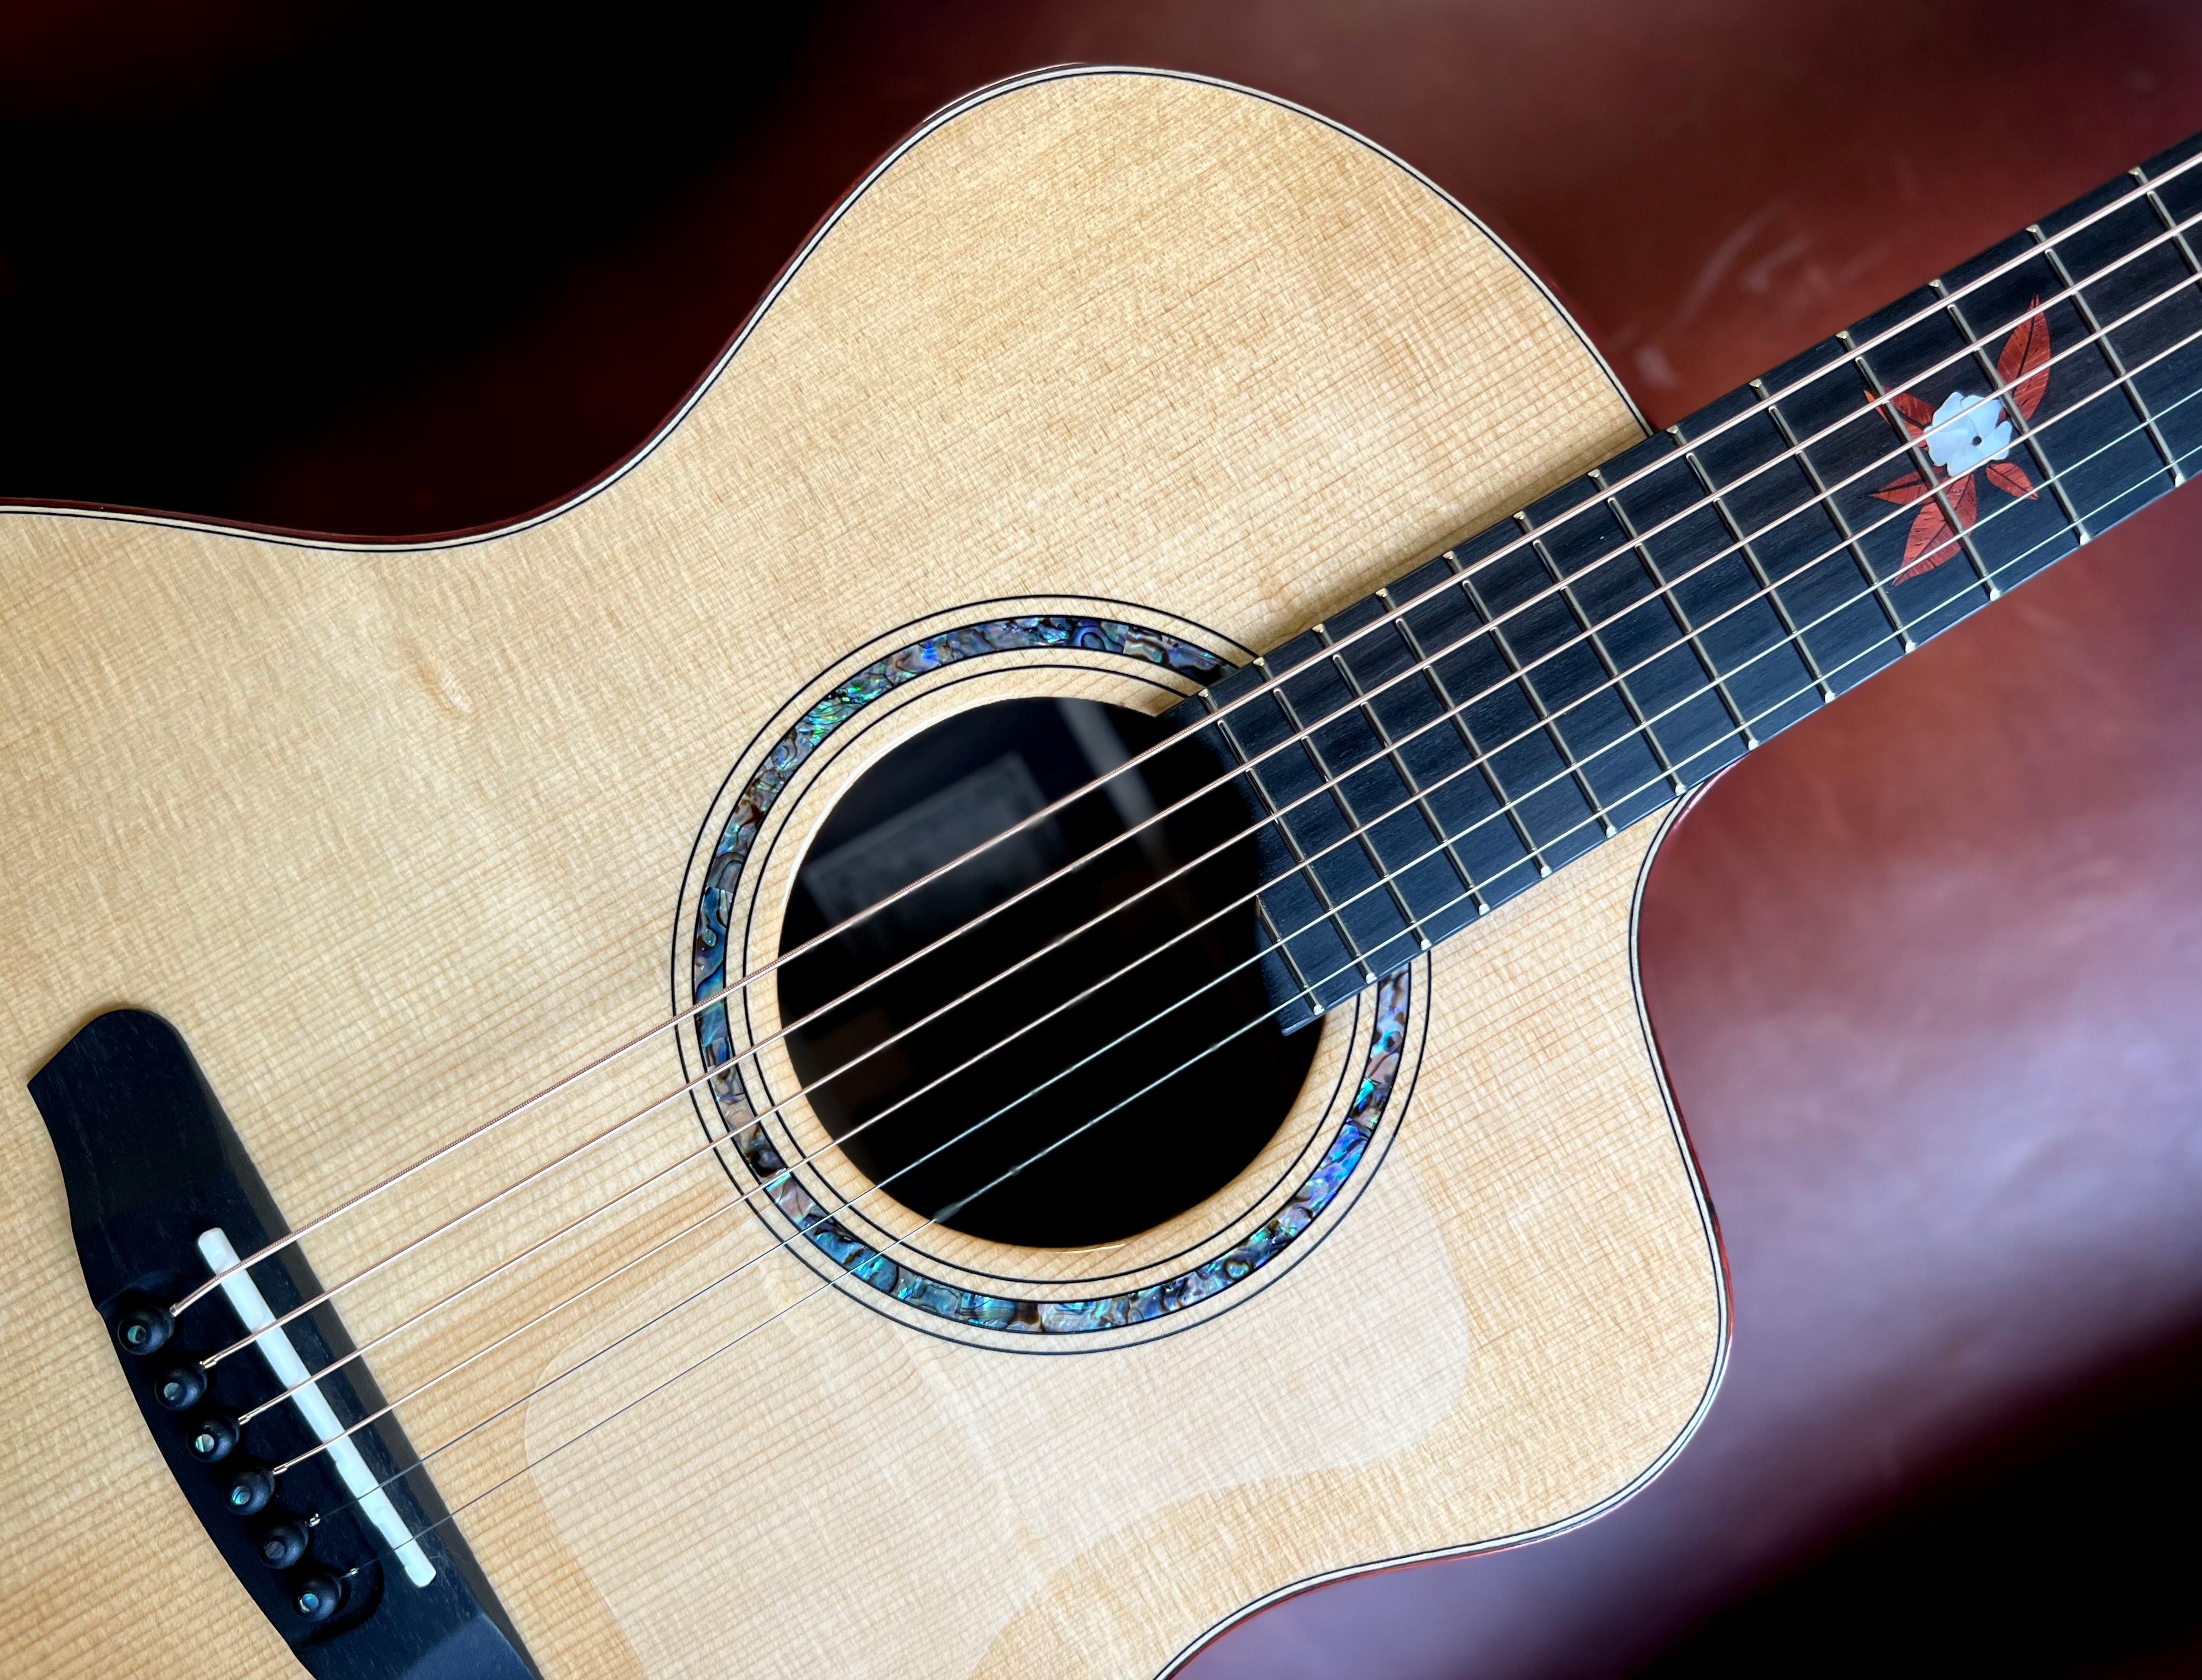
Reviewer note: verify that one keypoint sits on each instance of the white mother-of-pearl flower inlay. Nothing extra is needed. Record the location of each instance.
(1969, 431)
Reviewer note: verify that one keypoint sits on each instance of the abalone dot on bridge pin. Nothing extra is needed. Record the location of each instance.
(181, 1388)
(315, 1597)
(212, 1437)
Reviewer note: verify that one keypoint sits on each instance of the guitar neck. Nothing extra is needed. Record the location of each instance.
(1421, 758)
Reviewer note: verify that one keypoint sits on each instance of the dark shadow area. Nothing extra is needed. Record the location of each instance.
(2065, 1546)
(201, 267)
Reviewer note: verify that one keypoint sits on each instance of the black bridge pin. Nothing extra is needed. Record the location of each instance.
(315, 1597)
(281, 1543)
(143, 1328)
(212, 1437)
(181, 1388)
(248, 1490)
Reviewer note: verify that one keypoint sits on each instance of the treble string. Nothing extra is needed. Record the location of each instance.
(847, 1202)
(751, 1051)
(1765, 400)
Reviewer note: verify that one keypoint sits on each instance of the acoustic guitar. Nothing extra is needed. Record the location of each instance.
(983, 1011)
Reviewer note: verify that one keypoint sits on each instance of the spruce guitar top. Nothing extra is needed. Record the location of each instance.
(983, 1011)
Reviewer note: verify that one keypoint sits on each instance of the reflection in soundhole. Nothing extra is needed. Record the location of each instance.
(1184, 1101)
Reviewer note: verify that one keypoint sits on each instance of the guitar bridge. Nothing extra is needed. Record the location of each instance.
(351, 1560)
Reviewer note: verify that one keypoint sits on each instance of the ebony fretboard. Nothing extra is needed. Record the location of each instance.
(1500, 710)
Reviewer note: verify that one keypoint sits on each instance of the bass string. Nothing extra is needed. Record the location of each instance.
(536, 1462)
(1476, 762)
(1765, 401)
(846, 1203)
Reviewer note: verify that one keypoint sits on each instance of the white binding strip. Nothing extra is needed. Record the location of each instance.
(290, 1372)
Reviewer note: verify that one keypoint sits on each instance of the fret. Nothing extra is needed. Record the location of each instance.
(1712, 585)
(1758, 573)
(1504, 645)
(1473, 667)
(2003, 404)
(2171, 224)
(1388, 890)
(1313, 940)
(1351, 677)
(1682, 623)
(1924, 466)
(1598, 647)
(1300, 988)
(1469, 671)
(2110, 353)
(2084, 434)
(1334, 788)
(1866, 573)
(1456, 715)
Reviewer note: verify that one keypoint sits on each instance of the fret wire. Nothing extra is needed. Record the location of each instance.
(1302, 985)
(1398, 764)
(1826, 499)
(1666, 591)
(2007, 405)
(1457, 713)
(1742, 545)
(1276, 820)
(2110, 351)
(1335, 785)
(1589, 635)
(1527, 689)
(2176, 229)
(1922, 464)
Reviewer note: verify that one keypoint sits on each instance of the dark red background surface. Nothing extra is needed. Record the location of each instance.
(1928, 971)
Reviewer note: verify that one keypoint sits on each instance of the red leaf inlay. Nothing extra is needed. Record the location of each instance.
(1908, 489)
(2010, 478)
(1931, 537)
(1919, 415)
(2024, 366)
(1964, 497)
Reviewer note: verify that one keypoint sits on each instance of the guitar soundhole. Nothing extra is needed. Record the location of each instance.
(1075, 1124)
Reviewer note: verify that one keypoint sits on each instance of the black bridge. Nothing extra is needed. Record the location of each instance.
(362, 1588)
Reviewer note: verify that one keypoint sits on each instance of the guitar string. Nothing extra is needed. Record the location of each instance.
(839, 1282)
(847, 1202)
(1664, 593)
(1364, 824)
(1765, 402)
